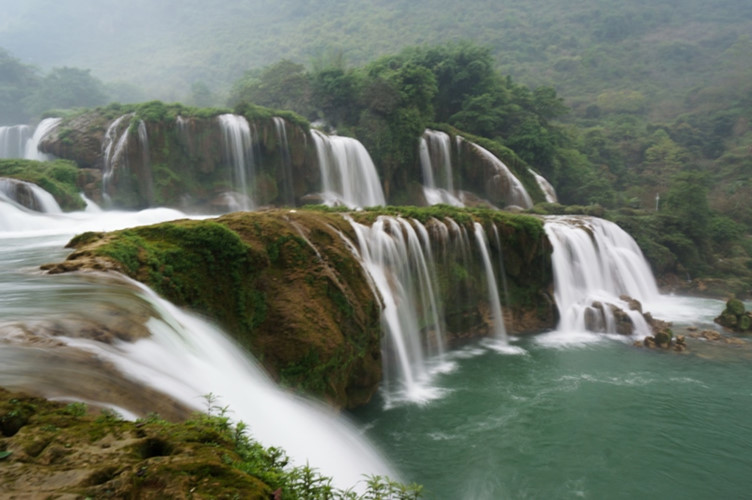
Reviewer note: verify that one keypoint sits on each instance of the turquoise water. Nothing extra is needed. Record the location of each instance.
(594, 418)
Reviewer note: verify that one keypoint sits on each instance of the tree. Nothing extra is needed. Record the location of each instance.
(67, 88)
(17, 82)
(687, 198)
(283, 85)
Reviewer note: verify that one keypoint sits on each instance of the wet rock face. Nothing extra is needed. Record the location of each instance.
(598, 314)
(79, 139)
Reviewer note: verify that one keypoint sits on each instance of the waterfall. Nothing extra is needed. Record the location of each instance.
(28, 195)
(514, 192)
(348, 175)
(238, 144)
(32, 145)
(546, 187)
(399, 261)
(595, 263)
(113, 145)
(13, 140)
(497, 317)
(436, 165)
(287, 184)
(145, 179)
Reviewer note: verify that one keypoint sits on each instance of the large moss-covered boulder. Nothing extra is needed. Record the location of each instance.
(283, 283)
(734, 317)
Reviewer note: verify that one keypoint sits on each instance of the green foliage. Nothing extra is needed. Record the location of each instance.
(182, 261)
(17, 83)
(687, 199)
(67, 88)
(283, 85)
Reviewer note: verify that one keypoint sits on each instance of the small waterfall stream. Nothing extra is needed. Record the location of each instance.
(21, 141)
(548, 190)
(516, 194)
(497, 317)
(436, 165)
(348, 175)
(287, 184)
(32, 145)
(13, 140)
(238, 144)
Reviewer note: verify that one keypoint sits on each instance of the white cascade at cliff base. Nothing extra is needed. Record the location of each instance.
(595, 261)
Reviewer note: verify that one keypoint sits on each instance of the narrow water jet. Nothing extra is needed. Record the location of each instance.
(288, 190)
(497, 316)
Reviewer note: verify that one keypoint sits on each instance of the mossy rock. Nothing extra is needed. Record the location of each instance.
(283, 283)
(745, 323)
(735, 307)
(663, 337)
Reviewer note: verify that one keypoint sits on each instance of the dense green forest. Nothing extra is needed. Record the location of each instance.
(639, 108)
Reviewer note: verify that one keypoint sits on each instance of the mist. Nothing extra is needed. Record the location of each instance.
(162, 50)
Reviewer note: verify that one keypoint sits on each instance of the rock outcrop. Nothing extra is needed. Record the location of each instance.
(288, 286)
(734, 317)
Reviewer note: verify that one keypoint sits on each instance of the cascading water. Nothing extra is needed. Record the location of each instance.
(497, 317)
(146, 179)
(288, 191)
(548, 190)
(28, 195)
(515, 192)
(348, 175)
(238, 144)
(13, 140)
(401, 269)
(51, 329)
(32, 145)
(436, 165)
(113, 145)
(595, 263)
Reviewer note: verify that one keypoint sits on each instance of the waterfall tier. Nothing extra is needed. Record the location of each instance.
(431, 280)
(28, 195)
(348, 175)
(596, 266)
(19, 141)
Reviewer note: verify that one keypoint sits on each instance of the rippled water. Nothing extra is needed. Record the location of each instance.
(581, 416)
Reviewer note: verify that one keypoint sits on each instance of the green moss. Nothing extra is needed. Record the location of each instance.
(205, 454)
